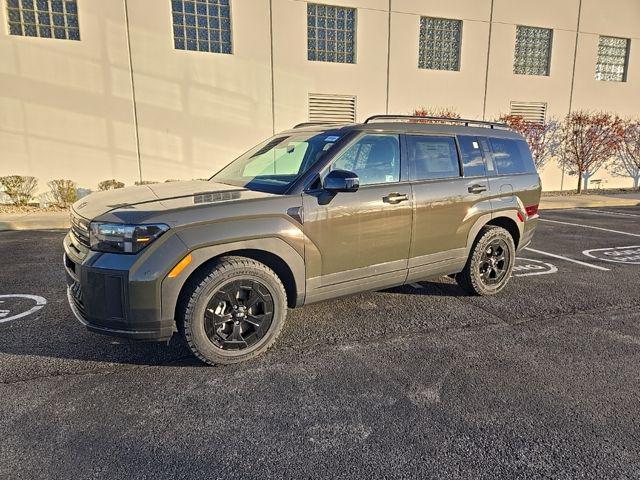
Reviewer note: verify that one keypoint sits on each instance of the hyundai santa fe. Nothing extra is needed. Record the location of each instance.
(313, 213)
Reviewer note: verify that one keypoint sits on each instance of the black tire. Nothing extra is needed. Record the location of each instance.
(211, 337)
(481, 275)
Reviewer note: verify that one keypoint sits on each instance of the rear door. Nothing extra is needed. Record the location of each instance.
(450, 186)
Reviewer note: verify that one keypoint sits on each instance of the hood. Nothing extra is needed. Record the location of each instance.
(198, 191)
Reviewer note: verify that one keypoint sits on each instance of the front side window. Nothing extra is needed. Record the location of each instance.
(44, 18)
(613, 58)
(511, 156)
(331, 33)
(276, 163)
(440, 40)
(533, 50)
(374, 158)
(202, 25)
(432, 157)
(472, 158)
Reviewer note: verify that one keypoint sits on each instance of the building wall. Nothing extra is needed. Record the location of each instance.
(68, 109)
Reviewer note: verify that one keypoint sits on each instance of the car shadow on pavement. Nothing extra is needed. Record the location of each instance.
(439, 287)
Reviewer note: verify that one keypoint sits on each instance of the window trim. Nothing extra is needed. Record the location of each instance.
(484, 158)
(411, 166)
(403, 178)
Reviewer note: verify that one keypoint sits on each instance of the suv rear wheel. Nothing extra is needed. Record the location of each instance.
(490, 262)
(235, 312)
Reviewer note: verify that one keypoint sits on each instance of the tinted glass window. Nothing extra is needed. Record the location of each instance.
(374, 158)
(472, 160)
(511, 156)
(432, 157)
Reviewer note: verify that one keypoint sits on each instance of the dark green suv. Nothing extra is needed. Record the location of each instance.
(313, 213)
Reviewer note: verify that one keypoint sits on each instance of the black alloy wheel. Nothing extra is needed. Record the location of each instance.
(238, 314)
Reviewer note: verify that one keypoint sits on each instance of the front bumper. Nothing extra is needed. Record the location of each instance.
(108, 297)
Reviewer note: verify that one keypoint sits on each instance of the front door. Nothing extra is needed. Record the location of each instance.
(360, 240)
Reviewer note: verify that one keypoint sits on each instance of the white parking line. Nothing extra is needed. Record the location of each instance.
(606, 212)
(590, 226)
(597, 267)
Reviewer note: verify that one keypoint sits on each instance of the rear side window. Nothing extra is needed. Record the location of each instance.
(511, 156)
(432, 157)
(472, 159)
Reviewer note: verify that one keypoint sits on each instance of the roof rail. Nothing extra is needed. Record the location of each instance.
(313, 124)
(419, 119)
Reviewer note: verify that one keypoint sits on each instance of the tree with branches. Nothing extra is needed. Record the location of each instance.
(627, 162)
(588, 141)
(441, 112)
(543, 138)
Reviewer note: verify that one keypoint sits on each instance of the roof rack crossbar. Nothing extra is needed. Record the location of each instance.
(313, 124)
(465, 121)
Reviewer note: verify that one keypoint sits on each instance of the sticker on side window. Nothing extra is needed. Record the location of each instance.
(475, 145)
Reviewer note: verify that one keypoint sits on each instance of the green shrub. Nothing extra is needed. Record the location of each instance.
(110, 185)
(64, 192)
(19, 188)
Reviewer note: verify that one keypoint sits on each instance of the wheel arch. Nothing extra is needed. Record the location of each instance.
(286, 262)
(509, 225)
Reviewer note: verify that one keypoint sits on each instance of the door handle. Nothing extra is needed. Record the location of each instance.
(477, 188)
(395, 198)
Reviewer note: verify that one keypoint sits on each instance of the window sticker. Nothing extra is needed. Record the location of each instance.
(475, 145)
(331, 138)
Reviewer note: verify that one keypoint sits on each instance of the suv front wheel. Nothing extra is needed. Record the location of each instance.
(490, 262)
(235, 312)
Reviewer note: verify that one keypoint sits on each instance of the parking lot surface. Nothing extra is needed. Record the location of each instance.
(414, 382)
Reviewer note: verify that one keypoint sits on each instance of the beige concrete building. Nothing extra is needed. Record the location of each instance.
(161, 89)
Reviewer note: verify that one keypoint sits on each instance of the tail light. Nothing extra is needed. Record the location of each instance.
(531, 210)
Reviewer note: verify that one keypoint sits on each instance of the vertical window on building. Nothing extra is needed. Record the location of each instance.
(331, 33)
(613, 57)
(533, 50)
(440, 41)
(202, 25)
(44, 18)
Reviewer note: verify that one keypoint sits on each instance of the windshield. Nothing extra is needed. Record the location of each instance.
(276, 163)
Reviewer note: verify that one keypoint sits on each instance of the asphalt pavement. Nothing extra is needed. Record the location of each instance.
(422, 381)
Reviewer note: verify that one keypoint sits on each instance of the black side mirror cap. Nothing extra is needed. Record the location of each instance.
(341, 181)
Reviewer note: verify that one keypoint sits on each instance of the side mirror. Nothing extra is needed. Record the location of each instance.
(341, 181)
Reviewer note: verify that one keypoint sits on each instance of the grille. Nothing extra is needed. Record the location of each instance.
(80, 230)
(76, 297)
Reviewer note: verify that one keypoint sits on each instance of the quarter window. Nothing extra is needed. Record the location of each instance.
(440, 40)
(613, 58)
(331, 33)
(202, 25)
(472, 159)
(374, 158)
(511, 156)
(533, 50)
(432, 157)
(44, 18)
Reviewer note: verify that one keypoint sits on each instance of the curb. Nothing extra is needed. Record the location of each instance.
(565, 205)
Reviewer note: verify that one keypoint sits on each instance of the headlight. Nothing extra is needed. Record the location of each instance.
(120, 238)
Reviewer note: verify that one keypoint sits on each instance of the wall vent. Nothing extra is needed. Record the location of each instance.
(531, 111)
(332, 108)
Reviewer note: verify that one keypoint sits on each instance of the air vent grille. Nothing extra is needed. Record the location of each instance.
(332, 108)
(531, 111)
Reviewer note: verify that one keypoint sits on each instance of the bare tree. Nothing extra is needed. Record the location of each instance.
(589, 141)
(543, 138)
(627, 163)
(442, 112)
